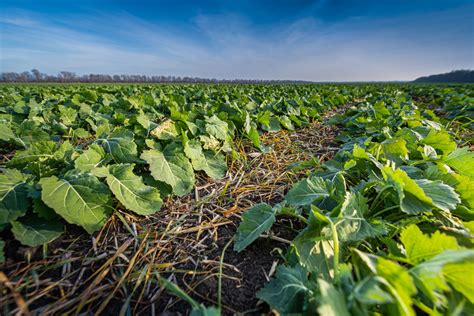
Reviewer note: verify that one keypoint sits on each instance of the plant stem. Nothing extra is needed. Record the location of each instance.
(219, 284)
(300, 217)
(336, 252)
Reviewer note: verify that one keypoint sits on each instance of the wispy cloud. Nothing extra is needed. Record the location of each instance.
(231, 46)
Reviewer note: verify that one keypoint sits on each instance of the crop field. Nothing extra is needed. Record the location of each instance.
(209, 199)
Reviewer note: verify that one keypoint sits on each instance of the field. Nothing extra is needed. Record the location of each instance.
(337, 199)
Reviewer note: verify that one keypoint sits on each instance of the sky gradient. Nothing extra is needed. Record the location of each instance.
(323, 40)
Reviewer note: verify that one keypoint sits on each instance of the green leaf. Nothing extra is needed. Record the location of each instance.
(13, 195)
(443, 196)
(67, 115)
(93, 157)
(314, 246)
(213, 164)
(351, 225)
(217, 128)
(461, 160)
(287, 291)
(6, 132)
(42, 210)
(255, 221)
(369, 291)
(413, 200)
(165, 131)
(80, 199)
(38, 151)
(172, 167)
(465, 187)
(120, 145)
(440, 140)
(331, 301)
(450, 266)
(455, 274)
(308, 191)
(130, 190)
(395, 148)
(399, 282)
(34, 231)
(420, 247)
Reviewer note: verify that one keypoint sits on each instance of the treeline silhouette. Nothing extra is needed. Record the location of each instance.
(455, 76)
(70, 77)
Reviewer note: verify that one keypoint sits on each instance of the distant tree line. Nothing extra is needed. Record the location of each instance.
(455, 76)
(70, 77)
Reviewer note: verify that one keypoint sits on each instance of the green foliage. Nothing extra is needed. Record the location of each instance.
(76, 153)
(33, 231)
(387, 221)
(254, 222)
(129, 189)
(387, 228)
(80, 199)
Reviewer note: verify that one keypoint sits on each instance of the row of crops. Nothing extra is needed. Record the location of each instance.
(76, 153)
(388, 221)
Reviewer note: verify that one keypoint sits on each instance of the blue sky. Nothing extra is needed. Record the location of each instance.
(321, 40)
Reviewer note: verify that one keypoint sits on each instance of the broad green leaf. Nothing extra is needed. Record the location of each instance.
(448, 267)
(42, 210)
(67, 115)
(165, 130)
(38, 151)
(351, 224)
(13, 195)
(443, 196)
(81, 199)
(255, 221)
(331, 301)
(6, 132)
(440, 140)
(413, 200)
(401, 286)
(307, 191)
(286, 122)
(172, 167)
(120, 145)
(314, 246)
(93, 157)
(420, 247)
(369, 291)
(130, 190)
(217, 128)
(287, 290)
(461, 160)
(315, 253)
(395, 148)
(210, 143)
(34, 231)
(456, 273)
(213, 164)
(465, 189)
